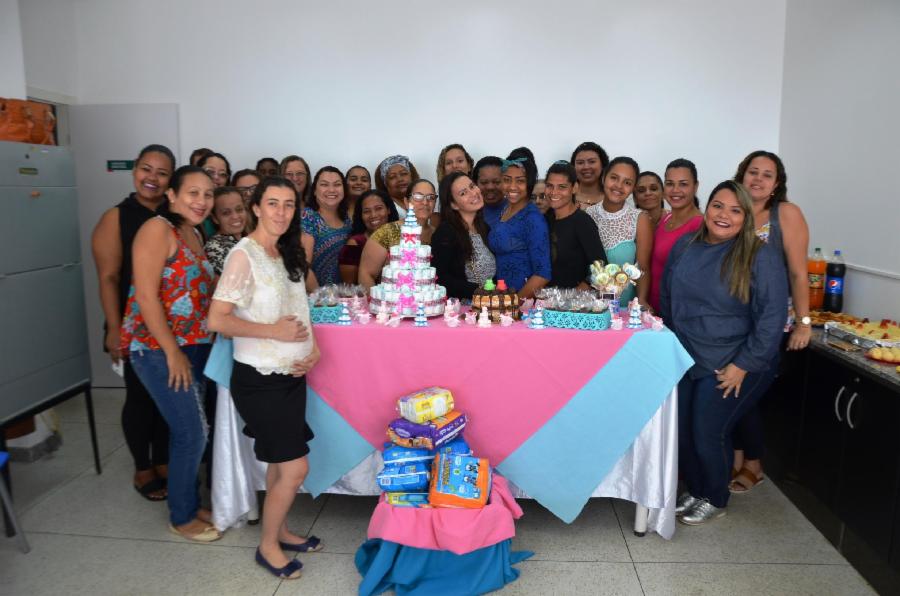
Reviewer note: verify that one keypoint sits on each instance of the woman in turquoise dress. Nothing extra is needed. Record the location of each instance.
(326, 224)
(625, 230)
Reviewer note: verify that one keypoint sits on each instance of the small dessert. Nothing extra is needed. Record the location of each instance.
(498, 299)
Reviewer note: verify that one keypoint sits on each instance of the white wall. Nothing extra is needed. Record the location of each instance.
(839, 132)
(353, 81)
(50, 50)
(12, 66)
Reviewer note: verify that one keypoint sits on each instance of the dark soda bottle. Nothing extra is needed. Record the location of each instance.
(834, 283)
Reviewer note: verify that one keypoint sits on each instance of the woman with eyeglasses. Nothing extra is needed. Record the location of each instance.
(245, 181)
(326, 225)
(295, 169)
(539, 196)
(625, 230)
(422, 198)
(393, 176)
(518, 236)
(574, 239)
(459, 246)
(218, 169)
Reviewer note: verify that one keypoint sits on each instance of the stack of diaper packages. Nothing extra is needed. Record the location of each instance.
(428, 463)
(427, 424)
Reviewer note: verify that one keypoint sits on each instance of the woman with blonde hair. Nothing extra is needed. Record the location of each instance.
(724, 294)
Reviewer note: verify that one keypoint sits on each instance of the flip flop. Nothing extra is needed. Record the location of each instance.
(744, 482)
(311, 545)
(147, 489)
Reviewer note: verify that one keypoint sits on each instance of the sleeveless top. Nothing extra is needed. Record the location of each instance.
(132, 215)
(352, 253)
(185, 290)
(618, 233)
(771, 233)
(258, 286)
(663, 241)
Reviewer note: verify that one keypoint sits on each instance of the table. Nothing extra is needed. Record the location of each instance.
(563, 415)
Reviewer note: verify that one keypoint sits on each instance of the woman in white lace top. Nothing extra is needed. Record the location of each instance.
(261, 302)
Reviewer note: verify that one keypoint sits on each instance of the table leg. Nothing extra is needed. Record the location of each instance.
(641, 514)
(89, 403)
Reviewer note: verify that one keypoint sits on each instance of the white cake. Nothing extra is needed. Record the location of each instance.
(408, 279)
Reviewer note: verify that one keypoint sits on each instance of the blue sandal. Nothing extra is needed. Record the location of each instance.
(286, 572)
(311, 545)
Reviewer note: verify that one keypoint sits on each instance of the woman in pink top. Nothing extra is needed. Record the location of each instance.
(680, 192)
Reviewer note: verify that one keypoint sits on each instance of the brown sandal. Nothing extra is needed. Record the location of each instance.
(744, 481)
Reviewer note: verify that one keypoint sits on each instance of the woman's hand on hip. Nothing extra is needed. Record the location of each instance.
(179, 365)
(730, 379)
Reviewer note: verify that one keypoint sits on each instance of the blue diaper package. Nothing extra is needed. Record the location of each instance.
(457, 446)
(404, 477)
(417, 500)
(397, 454)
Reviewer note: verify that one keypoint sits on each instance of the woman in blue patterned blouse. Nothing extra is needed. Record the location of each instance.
(326, 224)
(519, 237)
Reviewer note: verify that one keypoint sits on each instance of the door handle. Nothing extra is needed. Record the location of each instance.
(849, 406)
(837, 399)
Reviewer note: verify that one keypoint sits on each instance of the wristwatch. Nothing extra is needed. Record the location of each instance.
(805, 321)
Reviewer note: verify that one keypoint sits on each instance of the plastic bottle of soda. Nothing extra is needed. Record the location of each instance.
(816, 272)
(834, 283)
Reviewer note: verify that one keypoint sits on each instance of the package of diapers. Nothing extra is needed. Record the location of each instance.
(430, 435)
(460, 481)
(457, 446)
(397, 454)
(419, 500)
(405, 477)
(425, 405)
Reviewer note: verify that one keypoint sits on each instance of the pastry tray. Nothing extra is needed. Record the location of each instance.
(832, 330)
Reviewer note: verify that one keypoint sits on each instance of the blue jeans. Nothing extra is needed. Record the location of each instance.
(183, 411)
(705, 424)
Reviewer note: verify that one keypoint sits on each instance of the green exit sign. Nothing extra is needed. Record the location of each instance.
(119, 165)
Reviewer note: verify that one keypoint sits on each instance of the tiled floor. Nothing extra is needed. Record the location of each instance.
(94, 535)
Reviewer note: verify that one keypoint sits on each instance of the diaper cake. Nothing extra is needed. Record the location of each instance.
(408, 279)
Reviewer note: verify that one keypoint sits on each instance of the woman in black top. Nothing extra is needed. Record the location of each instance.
(459, 245)
(574, 238)
(146, 433)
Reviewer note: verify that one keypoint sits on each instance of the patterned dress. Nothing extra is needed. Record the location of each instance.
(184, 291)
(521, 246)
(618, 233)
(327, 245)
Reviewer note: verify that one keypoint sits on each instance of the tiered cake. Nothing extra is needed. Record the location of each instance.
(408, 279)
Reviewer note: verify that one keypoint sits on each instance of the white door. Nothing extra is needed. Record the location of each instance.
(99, 134)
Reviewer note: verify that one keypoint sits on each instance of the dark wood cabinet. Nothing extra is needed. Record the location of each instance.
(834, 441)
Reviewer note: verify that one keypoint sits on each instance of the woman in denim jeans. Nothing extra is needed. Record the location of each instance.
(724, 294)
(164, 332)
(261, 302)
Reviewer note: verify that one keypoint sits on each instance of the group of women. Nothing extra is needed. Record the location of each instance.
(200, 250)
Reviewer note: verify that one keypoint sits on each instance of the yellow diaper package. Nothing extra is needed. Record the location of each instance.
(425, 405)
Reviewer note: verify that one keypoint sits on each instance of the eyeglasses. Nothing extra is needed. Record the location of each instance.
(247, 190)
(538, 197)
(419, 197)
(214, 174)
(295, 175)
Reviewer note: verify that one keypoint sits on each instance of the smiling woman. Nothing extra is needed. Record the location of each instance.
(724, 294)
(326, 225)
(165, 335)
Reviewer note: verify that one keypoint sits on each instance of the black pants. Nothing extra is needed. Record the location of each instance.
(146, 432)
